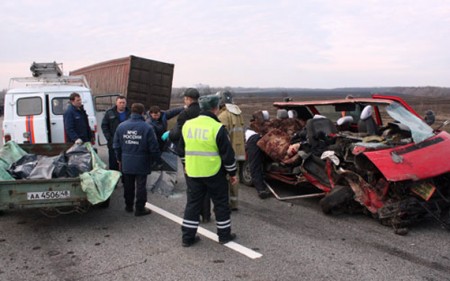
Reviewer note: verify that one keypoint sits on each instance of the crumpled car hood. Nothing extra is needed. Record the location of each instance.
(419, 161)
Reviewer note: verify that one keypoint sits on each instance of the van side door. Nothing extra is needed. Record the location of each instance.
(29, 120)
(103, 103)
(58, 103)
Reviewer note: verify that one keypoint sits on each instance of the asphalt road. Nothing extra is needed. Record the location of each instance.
(296, 241)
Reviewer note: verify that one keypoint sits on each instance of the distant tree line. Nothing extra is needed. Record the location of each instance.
(338, 92)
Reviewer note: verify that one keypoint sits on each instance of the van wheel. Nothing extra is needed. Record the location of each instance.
(337, 197)
(244, 174)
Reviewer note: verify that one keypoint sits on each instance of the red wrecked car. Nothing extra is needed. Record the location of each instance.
(376, 153)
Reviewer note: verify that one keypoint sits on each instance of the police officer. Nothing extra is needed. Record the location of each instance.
(113, 117)
(136, 150)
(208, 156)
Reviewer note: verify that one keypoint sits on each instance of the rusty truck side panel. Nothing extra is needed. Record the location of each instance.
(138, 79)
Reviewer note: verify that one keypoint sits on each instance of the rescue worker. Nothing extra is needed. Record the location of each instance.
(158, 120)
(76, 122)
(259, 125)
(137, 151)
(208, 157)
(231, 118)
(113, 117)
(192, 110)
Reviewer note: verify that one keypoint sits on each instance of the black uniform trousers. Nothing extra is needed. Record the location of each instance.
(256, 162)
(135, 185)
(113, 165)
(197, 188)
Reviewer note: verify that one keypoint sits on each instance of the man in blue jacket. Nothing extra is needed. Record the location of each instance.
(76, 123)
(137, 151)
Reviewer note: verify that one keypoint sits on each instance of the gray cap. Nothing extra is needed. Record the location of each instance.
(209, 102)
(192, 93)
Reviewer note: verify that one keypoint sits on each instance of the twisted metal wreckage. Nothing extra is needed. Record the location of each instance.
(376, 154)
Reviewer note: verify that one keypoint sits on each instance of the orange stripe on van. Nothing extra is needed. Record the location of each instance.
(29, 124)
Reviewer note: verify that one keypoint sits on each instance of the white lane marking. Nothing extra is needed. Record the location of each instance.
(205, 232)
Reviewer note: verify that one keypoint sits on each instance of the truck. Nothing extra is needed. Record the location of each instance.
(34, 108)
(138, 79)
(33, 119)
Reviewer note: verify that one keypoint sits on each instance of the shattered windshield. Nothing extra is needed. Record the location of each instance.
(420, 131)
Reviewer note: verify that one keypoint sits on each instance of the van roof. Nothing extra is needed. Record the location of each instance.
(45, 81)
(47, 88)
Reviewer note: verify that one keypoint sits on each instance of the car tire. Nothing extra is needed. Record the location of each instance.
(338, 196)
(245, 176)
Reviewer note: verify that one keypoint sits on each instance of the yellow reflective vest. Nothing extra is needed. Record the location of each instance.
(202, 157)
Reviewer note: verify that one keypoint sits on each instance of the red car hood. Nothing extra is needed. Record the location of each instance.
(424, 160)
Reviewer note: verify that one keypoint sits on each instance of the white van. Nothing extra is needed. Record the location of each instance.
(33, 112)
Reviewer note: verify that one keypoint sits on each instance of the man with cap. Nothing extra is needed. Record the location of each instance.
(191, 96)
(208, 157)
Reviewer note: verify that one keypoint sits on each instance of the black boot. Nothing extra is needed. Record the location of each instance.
(264, 194)
(229, 238)
(188, 243)
(142, 212)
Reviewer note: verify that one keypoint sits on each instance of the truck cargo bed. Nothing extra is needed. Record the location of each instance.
(42, 193)
(20, 194)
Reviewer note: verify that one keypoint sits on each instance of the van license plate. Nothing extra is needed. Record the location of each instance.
(48, 195)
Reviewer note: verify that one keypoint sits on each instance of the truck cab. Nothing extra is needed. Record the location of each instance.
(33, 111)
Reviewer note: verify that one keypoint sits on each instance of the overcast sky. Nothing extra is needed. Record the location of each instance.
(291, 43)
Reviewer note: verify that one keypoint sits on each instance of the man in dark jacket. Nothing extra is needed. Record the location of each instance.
(206, 150)
(113, 117)
(158, 120)
(76, 123)
(137, 151)
(259, 125)
(191, 96)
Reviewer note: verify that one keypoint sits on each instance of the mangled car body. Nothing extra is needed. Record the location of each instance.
(372, 152)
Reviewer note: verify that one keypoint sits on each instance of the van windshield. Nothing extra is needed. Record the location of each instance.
(420, 131)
